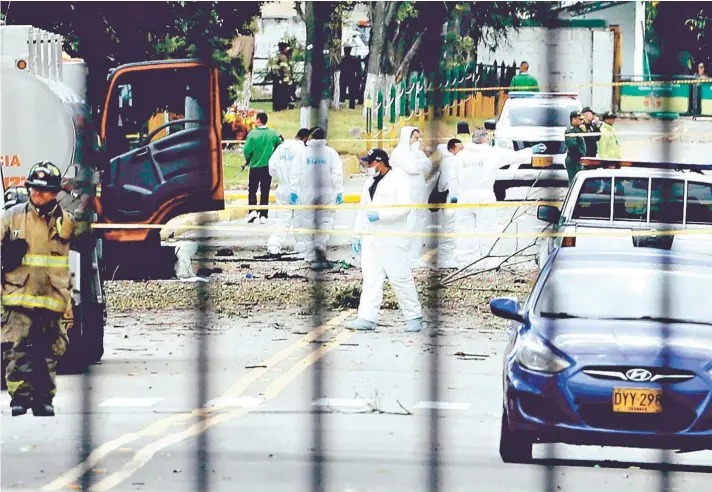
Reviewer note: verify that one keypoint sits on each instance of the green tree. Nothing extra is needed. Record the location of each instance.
(679, 35)
(107, 34)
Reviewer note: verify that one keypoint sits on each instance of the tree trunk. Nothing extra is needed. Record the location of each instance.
(316, 88)
(376, 45)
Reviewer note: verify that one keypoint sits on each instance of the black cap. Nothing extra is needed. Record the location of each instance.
(608, 115)
(378, 155)
(587, 110)
(574, 114)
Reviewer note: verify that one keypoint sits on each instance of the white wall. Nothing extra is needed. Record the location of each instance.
(571, 58)
(622, 15)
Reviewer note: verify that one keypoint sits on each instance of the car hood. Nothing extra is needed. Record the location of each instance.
(530, 133)
(625, 341)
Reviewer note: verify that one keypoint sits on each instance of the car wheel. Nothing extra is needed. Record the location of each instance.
(514, 446)
(500, 192)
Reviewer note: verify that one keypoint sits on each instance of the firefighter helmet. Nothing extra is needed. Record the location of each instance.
(15, 195)
(45, 176)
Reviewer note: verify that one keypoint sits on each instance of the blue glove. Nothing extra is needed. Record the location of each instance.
(339, 198)
(453, 199)
(373, 216)
(293, 199)
(539, 148)
(356, 245)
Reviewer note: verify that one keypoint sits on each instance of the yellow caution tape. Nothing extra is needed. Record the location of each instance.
(352, 232)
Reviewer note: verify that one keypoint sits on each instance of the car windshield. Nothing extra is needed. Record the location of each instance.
(537, 115)
(627, 292)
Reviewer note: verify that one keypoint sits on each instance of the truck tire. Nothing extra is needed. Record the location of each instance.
(500, 192)
(86, 340)
(3, 383)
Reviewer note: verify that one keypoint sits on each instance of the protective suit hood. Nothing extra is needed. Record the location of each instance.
(405, 134)
(316, 143)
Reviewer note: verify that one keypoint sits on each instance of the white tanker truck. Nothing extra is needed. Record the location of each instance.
(153, 153)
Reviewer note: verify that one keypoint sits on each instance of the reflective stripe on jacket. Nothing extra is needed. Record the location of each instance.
(43, 279)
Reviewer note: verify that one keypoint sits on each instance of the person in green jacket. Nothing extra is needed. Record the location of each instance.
(523, 81)
(608, 146)
(575, 145)
(259, 147)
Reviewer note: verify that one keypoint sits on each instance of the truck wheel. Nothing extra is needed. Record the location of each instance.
(514, 446)
(3, 383)
(500, 192)
(86, 340)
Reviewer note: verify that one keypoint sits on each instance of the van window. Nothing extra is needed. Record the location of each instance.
(631, 199)
(594, 200)
(699, 203)
(667, 201)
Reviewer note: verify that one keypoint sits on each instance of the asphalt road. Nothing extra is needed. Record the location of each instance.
(374, 409)
(259, 434)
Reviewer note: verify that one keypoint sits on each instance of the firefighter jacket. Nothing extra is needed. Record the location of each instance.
(42, 279)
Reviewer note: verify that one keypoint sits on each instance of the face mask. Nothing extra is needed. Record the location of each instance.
(415, 145)
(371, 171)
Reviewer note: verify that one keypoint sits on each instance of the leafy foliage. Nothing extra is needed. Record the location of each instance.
(107, 34)
(679, 36)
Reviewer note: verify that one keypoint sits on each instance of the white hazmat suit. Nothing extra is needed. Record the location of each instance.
(448, 180)
(319, 180)
(285, 163)
(411, 160)
(476, 174)
(386, 256)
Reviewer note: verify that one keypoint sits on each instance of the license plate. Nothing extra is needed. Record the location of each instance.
(629, 400)
(540, 161)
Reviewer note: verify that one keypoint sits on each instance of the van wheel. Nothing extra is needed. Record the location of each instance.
(500, 192)
(514, 446)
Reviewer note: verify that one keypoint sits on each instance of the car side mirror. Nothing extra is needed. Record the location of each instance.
(548, 213)
(490, 124)
(507, 308)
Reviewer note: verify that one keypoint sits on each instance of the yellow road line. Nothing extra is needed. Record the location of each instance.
(159, 427)
(144, 455)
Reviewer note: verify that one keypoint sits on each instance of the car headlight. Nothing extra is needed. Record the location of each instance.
(535, 355)
(505, 144)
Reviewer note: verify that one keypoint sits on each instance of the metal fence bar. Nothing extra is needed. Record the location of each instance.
(551, 448)
(202, 456)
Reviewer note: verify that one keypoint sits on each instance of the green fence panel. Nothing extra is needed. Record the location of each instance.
(404, 97)
(422, 104)
(380, 110)
(655, 98)
(393, 104)
(706, 99)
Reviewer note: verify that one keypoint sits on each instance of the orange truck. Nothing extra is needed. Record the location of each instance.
(154, 153)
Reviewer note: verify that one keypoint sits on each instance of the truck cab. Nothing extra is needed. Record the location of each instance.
(615, 202)
(154, 153)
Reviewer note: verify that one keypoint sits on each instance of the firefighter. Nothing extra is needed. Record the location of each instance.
(35, 238)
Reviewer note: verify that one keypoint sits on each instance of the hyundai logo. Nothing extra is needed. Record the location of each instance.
(639, 375)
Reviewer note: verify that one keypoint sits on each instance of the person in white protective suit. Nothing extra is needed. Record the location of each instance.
(384, 254)
(284, 165)
(320, 181)
(476, 174)
(408, 157)
(447, 182)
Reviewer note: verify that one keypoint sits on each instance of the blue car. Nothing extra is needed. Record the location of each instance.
(610, 349)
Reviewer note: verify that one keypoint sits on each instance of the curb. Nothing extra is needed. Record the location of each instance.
(180, 225)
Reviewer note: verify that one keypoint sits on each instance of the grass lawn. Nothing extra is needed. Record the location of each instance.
(341, 124)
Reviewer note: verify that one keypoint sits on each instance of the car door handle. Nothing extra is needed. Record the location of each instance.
(142, 152)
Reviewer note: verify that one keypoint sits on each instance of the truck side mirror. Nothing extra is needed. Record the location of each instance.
(490, 124)
(549, 214)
